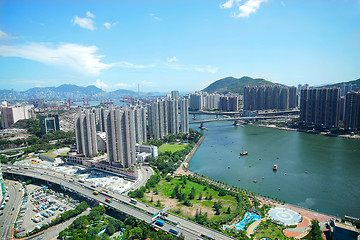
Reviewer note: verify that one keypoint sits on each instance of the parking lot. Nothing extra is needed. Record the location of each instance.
(40, 206)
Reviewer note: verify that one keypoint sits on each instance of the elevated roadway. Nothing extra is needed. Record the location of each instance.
(190, 230)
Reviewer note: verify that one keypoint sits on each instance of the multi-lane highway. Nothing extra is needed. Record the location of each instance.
(142, 211)
(8, 216)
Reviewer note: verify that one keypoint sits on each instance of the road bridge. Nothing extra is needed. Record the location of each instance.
(190, 230)
(254, 118)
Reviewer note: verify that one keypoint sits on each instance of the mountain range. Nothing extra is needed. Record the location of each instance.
(65, 91)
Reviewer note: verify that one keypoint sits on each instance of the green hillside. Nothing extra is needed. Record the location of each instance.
(235, 85)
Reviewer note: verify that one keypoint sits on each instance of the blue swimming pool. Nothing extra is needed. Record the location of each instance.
(249, 217)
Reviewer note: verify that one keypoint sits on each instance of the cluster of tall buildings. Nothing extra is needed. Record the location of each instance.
(127, 126)
(322, 107)
(270, 97)
(214, 101)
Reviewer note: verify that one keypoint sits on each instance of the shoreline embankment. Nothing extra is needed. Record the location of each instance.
(308, 131)
(183, 170)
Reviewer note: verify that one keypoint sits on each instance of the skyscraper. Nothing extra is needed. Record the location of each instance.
(120, 133)
(85, 132)
(158, 119)
(269, 97)
(196, 101)
(320, 107)
(184, 115)
(140, 124)
(293, 97)
(352, 111)
(173, 116)
(174, 94)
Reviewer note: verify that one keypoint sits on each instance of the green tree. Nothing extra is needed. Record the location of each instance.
(192, 193)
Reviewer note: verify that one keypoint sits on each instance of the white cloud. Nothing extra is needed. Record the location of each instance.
(131, 65)
(90, 15)
(4, 35)
(245, 9)
(154, 17)
(228, 4)
(107, 25)
(86, 23)
(100, 84)
(80, 58)
(173, 59)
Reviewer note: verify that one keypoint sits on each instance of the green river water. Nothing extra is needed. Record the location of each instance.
(331, 184)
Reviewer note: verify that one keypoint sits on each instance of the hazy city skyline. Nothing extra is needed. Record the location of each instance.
(177, 45)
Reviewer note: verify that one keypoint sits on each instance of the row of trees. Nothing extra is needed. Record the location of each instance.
(99, 226)
(89, 226)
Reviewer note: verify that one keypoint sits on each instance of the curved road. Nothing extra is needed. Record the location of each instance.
(7, 219)
(189, 229)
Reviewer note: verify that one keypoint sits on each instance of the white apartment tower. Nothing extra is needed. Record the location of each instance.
(140, 124)
(120, 133)
(184, 115)
(173, 116)
(85, 131)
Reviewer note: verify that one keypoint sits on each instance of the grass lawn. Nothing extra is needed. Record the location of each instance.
(165, 189)
(267, 229)
(50, 154)
(171, 147)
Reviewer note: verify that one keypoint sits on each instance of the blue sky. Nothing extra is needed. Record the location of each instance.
(184, 45)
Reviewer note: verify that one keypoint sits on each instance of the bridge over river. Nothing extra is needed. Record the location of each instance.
(237, 119)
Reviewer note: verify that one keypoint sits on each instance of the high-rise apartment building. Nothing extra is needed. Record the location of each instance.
(85, 131)
(284, 98)
(269, 97)
(120, 135)
(10, 115)
(175, 94)
(184, 115)
(173, 116)
(293, 102)
(140, 124)
(196, 101)
(352, 111)
(320, 107)
(211, 101)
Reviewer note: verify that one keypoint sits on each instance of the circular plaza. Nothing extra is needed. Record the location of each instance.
(285, 216)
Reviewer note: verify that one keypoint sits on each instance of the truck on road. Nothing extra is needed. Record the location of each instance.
(160, 222)
(109, 200)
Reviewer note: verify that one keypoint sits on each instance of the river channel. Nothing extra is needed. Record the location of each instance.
(314, 171)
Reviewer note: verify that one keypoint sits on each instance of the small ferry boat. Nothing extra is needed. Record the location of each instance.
(275, 167)
(255, 181)
(244, 153)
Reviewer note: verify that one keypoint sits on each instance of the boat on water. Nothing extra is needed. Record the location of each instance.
(244, 153)
(275, 167)
(255, 181)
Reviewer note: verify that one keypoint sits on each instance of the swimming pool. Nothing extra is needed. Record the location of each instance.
(249, 217)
